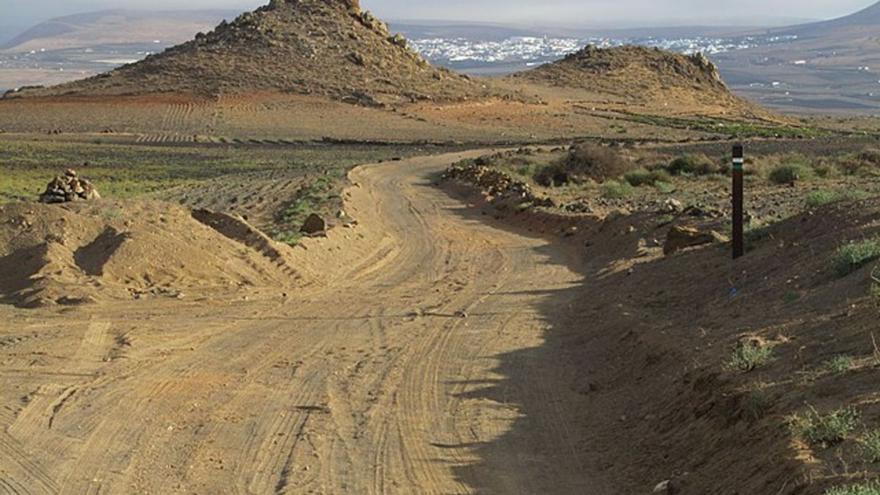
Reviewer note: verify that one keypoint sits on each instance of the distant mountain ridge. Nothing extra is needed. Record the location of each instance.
(828, 66)
(117, 26)
(868, 17)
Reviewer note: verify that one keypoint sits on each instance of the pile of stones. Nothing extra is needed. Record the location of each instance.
(67, 188)
(494, 183)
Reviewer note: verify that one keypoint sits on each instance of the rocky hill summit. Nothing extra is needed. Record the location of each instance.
(322, 47)
(634, 72)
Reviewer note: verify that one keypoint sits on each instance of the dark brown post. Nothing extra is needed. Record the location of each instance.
(738, 229)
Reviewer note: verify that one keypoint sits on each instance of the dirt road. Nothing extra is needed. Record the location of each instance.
(414, 362)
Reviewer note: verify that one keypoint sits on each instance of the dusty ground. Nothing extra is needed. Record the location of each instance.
(368, 380)
(436, 349)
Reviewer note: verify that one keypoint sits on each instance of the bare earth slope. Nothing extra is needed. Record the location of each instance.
(86, 252)
(323, 47)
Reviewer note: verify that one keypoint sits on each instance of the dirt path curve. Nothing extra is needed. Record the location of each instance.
(370, 381)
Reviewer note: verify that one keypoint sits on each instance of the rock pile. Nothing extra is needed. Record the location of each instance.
(494, 183)
(69, 187)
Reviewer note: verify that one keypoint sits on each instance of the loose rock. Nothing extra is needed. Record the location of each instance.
(314, 225)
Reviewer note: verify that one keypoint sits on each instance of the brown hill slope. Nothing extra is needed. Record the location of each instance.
(641, 75)
(323, 47)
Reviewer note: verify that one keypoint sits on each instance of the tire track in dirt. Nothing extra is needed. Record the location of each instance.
(362, 382)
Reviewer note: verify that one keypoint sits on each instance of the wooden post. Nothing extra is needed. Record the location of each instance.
(738, 228)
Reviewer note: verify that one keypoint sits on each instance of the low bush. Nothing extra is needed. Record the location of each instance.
(824, 197)
(839, 364)
(749, 356)
(853, 256)
(596, 162)
(790, 173)
(613, 189)
(643, 177)
(584, 162)
(870, 443)
(694, 164)
(825, 430)
(552, 175)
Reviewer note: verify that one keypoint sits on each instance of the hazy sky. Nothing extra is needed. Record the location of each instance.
(570, 12)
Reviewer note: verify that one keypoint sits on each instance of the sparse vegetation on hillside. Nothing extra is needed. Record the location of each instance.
(825, 430)
(870, 443)
(693, 164)
(749, 356)
(839, 364)
(824, 197)
(855, 255)
(869, 488)
(790, 173)
(643, 177)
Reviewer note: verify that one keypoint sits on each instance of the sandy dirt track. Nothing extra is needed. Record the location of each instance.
(368, 380)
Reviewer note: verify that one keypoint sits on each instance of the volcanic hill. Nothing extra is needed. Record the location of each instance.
(641, 75)
(321, 47)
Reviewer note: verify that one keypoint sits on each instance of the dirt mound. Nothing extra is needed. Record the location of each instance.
(86, 252)
(323, 47)
(638, 73)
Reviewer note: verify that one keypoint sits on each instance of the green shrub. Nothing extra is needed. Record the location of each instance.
(825, 430)
(790, 173)
(869, 488)
(694, 164)
(749, 356)
(665, 187)
(870, 442)
(824, 197)
(613, 189)
(643, 177)
(839, 364)
(853, 256)
(819, 198)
